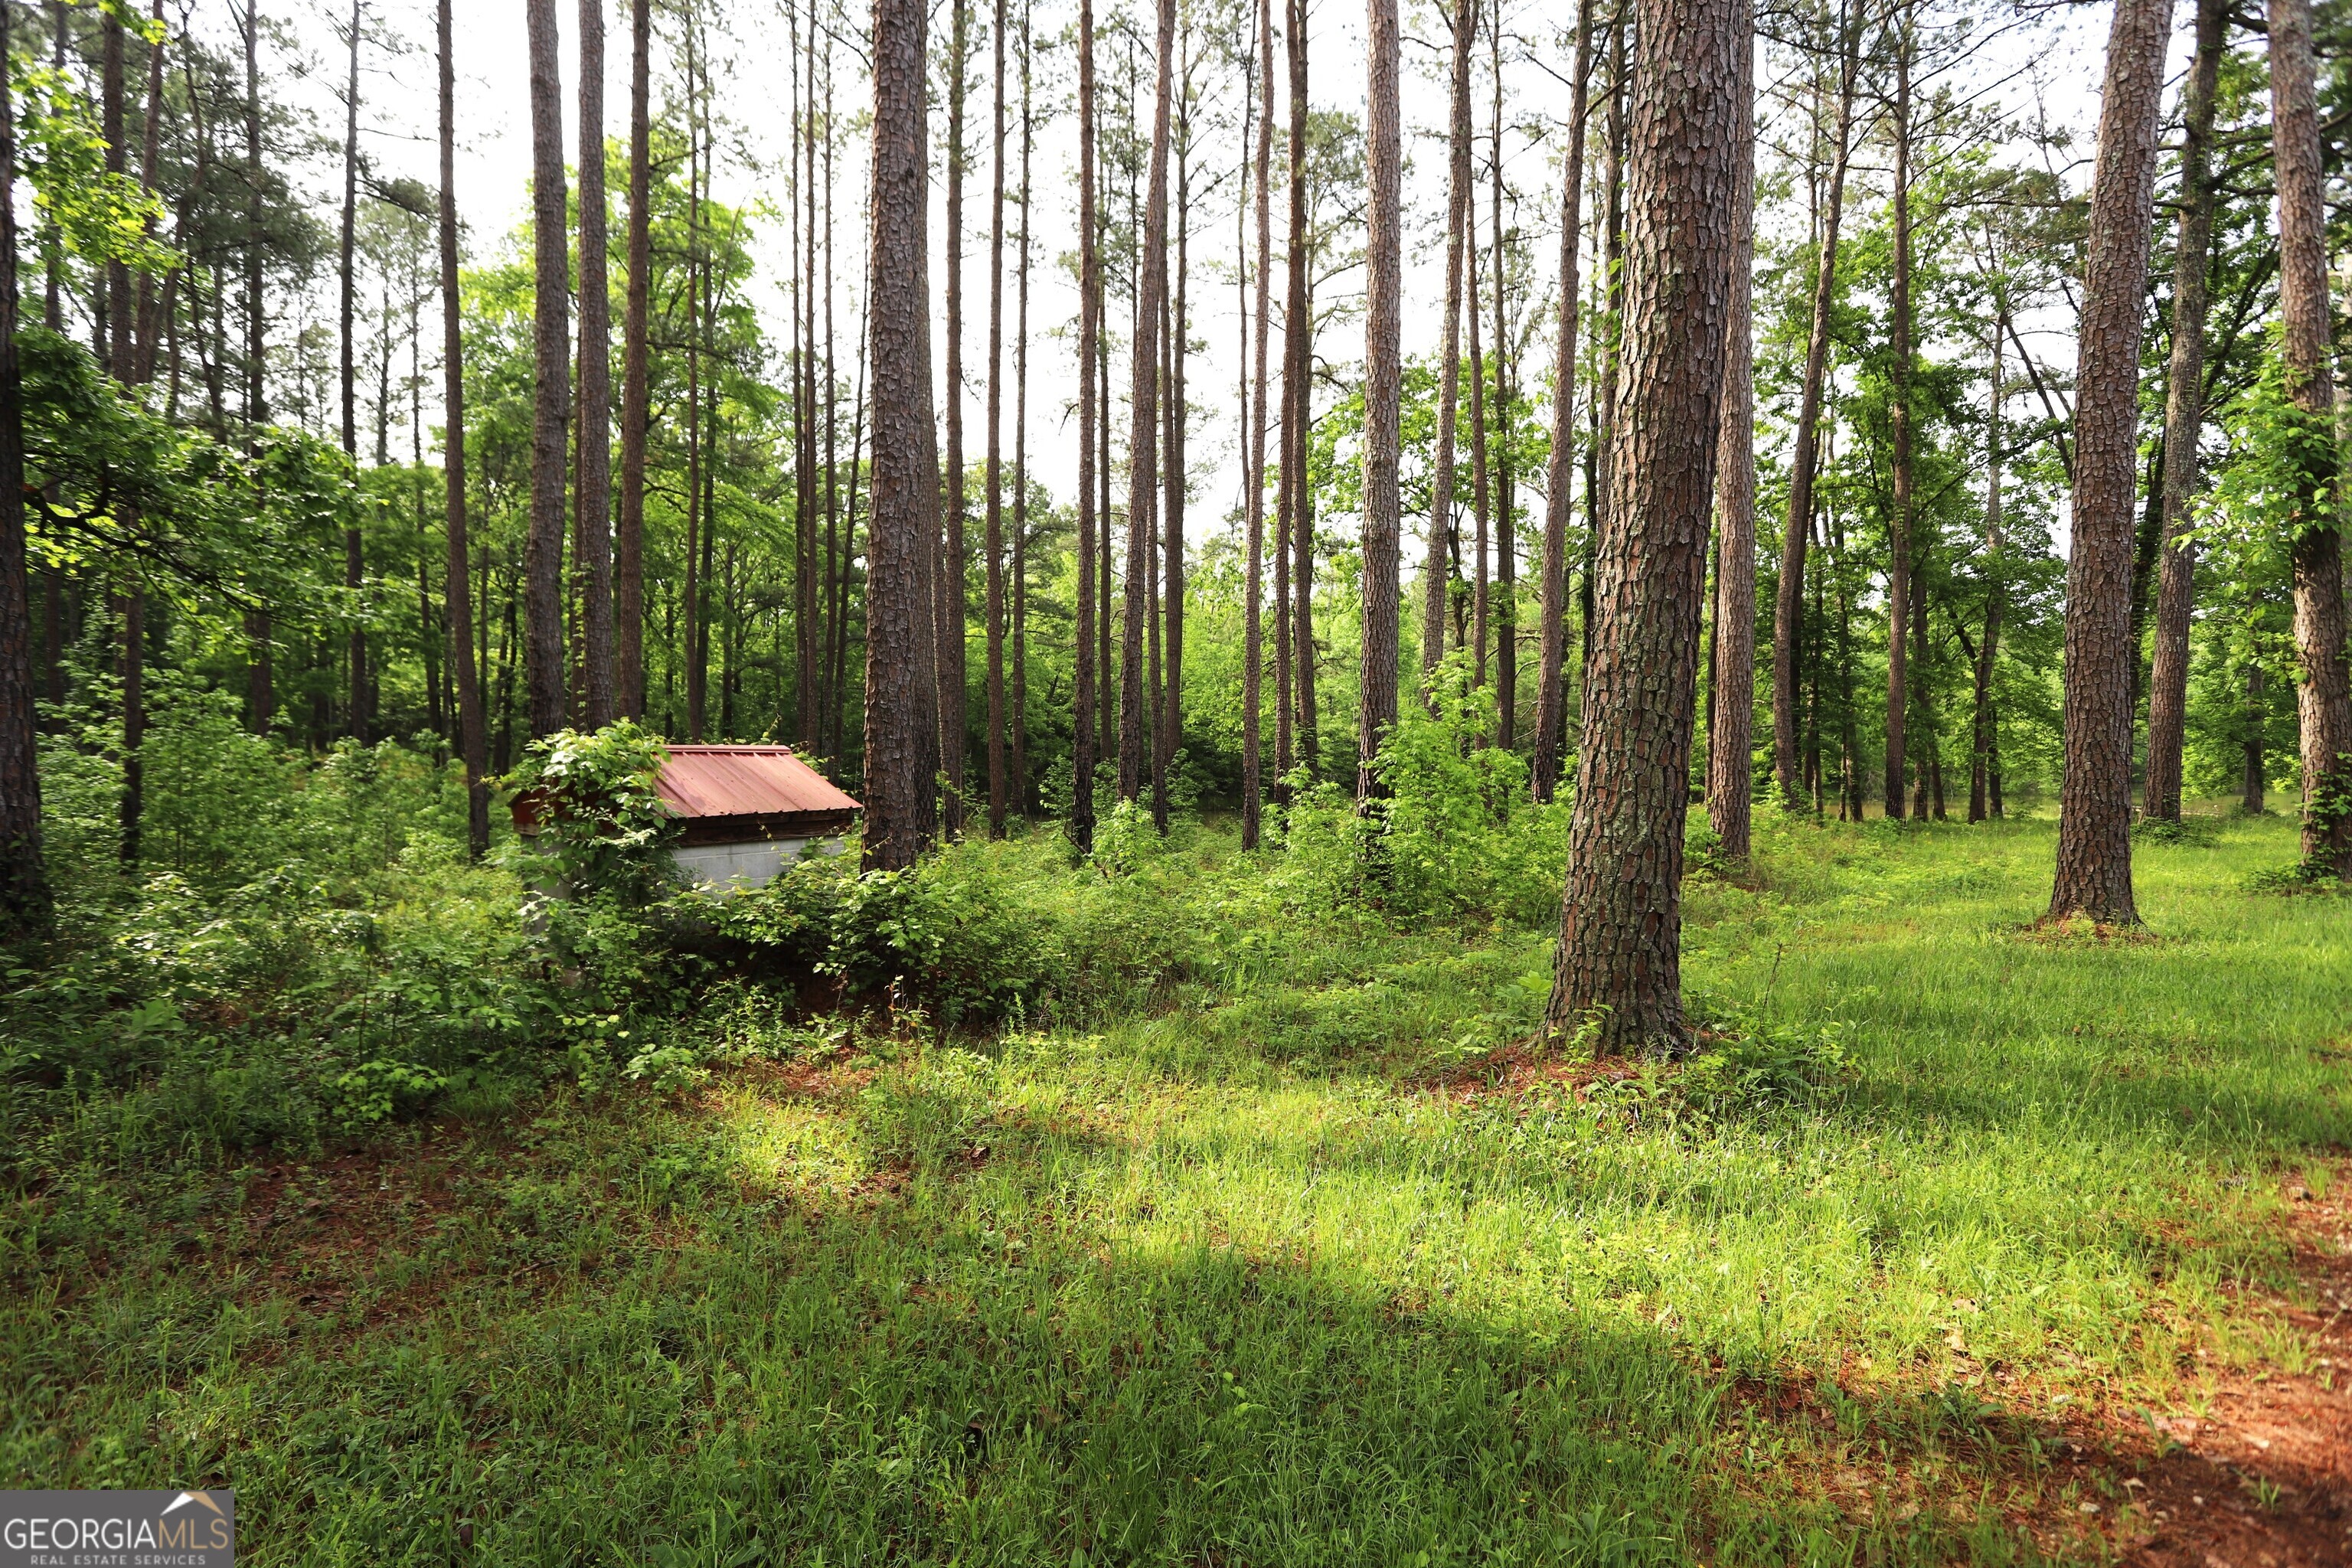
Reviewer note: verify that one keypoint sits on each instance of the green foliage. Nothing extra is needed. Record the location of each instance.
(602, 824)
(1454, 836)
(1265, 1266)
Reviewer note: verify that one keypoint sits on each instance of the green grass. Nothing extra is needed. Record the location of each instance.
(1275, 1275)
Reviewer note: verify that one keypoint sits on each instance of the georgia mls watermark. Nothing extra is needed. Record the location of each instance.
(118, 1530)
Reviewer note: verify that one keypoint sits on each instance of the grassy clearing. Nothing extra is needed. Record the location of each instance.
(1301, 1266)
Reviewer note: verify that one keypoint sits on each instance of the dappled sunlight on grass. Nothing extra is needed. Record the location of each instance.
(1290, 1269)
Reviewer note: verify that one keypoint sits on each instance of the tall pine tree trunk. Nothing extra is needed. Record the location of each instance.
(1551, 696)
(1144, 418)
(1507, 538)
(1254, 465)
(995, 542)
(354, 564)
(1299, 338)
(1019, 783)
(2093, 873)
(1437, 586)
(950, 574)
(2184, 416)
(1900, 693)
(1618, 965)
(1084, 673)
(1376, 710)
(1731, 723)
(636, 380)
(1788, 602)
(1984, 744)
(25, 901)
(903, 528)
(543, 545)
(1169, 733)
(2315, 554)
(595, 436)
(458, 595)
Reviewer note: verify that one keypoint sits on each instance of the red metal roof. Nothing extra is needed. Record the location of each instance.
(745, 781)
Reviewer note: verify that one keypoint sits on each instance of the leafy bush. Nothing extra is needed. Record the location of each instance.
(1455, 833)
(602, 823)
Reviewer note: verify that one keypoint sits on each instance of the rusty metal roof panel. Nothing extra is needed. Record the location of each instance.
(745, 781)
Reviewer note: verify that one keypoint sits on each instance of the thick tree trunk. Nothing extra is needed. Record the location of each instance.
(903, 526)
(1254, 466)
(2094, 873)
(543, 545)
(457, 596)
(1551, 699)
(2315, 554)
(995, 542)
(24, 900)
(1788, 602)
(1376, 711)
(1437, 588)
(950, 576)
(1618, 965)
(1731, 723)
(595, 436)
(636, 380)
(1084, 673)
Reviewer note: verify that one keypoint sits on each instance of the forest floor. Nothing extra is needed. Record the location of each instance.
(1983, 1244)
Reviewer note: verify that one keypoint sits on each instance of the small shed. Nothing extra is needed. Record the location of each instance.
(747, 812)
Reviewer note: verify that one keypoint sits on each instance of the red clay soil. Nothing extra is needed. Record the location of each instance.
(2264, 1479)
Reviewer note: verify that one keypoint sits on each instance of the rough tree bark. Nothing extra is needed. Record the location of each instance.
(1731, 725)
(902, 526)
(594, 481)
(2184, 414)
(2315, 554)
(1437, 591)
(1376, 711)
(1788, 608)
(1551, 698)
(1618, 966)
(636, 380)
(458, 595)
(543, 545)
(2094, 873)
